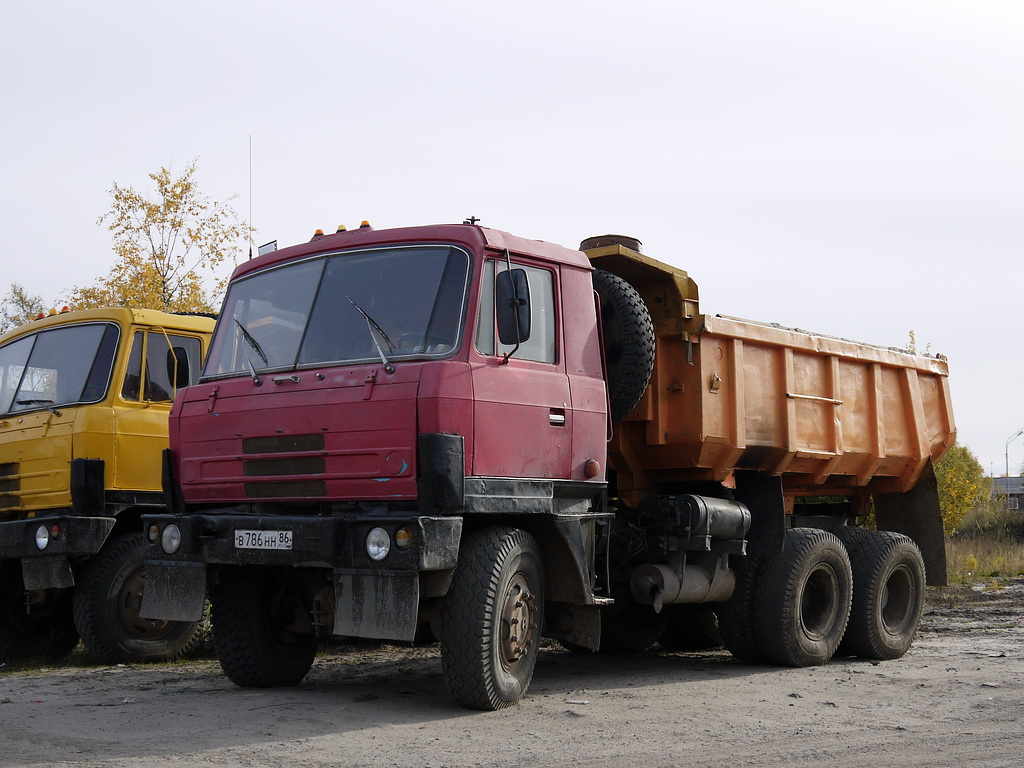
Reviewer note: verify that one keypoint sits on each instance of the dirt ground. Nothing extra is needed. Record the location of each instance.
(956, 699)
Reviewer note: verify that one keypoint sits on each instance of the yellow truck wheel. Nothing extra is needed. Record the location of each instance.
(108, 595)
(46, 630)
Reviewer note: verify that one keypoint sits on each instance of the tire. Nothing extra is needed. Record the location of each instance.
(108, 596)
(628, 342)
(251, 609)
(690, 628)
(802, 603)
(492, 617)
(47, 632)
(736, 615)
(888, 593)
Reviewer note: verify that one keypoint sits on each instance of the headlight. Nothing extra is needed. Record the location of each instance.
(378, 544)
(170, 539)
(42, 537)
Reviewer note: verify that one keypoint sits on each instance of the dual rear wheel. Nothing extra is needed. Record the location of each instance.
(854, 592)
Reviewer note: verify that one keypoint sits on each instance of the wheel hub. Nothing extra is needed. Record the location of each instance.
(518, 615)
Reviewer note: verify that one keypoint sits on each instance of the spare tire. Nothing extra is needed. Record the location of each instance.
(628, 342)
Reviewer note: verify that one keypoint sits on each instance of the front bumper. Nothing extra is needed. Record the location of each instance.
(373, 598)
(66, 537)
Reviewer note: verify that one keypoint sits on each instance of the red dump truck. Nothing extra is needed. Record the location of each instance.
(451, 432)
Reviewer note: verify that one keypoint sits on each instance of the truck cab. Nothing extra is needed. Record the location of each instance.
(84, 401)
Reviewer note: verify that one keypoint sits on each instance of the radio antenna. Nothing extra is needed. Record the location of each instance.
(250, 197)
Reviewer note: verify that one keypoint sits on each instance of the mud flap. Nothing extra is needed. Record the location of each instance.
(916, 514)
(47, 573)
(382, 606)
(174, 591)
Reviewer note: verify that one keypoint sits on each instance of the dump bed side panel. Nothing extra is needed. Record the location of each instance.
(828, 415)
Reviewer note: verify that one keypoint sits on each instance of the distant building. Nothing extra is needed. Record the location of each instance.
(1010, 488)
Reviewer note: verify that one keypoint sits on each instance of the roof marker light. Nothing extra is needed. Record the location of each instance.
(365, 224)
(341, 228)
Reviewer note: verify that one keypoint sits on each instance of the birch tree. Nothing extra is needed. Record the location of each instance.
(172, 247)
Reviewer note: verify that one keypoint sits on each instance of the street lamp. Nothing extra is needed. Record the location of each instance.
(1009, 440)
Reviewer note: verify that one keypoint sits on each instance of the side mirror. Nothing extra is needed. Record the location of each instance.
(177, 367)
(512, 306)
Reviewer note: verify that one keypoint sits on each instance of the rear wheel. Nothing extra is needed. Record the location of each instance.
(254, 615)
(108, 597)
(802, 603)
(888, 593)
(39, 625)
(491, 621)
(736, 615)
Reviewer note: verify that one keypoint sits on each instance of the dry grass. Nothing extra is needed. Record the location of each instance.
(973, 558)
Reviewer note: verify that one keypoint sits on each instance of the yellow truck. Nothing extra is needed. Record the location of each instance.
(84, 403)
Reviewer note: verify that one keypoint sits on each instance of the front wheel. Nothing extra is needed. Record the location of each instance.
(255, 613)
(491, 621)
(108, 597)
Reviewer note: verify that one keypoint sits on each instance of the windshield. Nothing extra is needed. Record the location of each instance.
(393, 303)
(60, 366)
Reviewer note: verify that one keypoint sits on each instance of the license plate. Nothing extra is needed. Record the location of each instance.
(263, 539)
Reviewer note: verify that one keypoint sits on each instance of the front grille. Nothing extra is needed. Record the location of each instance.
(296, 465)
(296, 489)
(283, 444)
(10, 483)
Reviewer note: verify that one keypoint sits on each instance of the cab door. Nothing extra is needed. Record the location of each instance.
(522, 413)
(159, 363)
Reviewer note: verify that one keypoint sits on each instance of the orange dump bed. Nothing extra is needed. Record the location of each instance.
(830, 416)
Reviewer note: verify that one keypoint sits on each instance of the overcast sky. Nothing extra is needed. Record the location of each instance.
(850, 168)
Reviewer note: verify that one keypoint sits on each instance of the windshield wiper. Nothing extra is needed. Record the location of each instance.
(252, 341)
(50, 407)
(371, 324)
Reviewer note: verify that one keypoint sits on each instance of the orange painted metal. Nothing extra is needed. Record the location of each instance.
(828, 415)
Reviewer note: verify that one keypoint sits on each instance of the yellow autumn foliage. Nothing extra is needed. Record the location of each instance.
(165, 247)
(962, 486)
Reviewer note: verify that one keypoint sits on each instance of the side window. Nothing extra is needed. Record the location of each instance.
(171, 362)
(133, 376)
(541, 344)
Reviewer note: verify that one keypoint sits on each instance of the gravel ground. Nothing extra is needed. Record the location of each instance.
(955, 699)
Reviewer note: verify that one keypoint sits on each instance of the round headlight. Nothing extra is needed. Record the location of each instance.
(170, 539)
(42, 537)
(378, 544)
